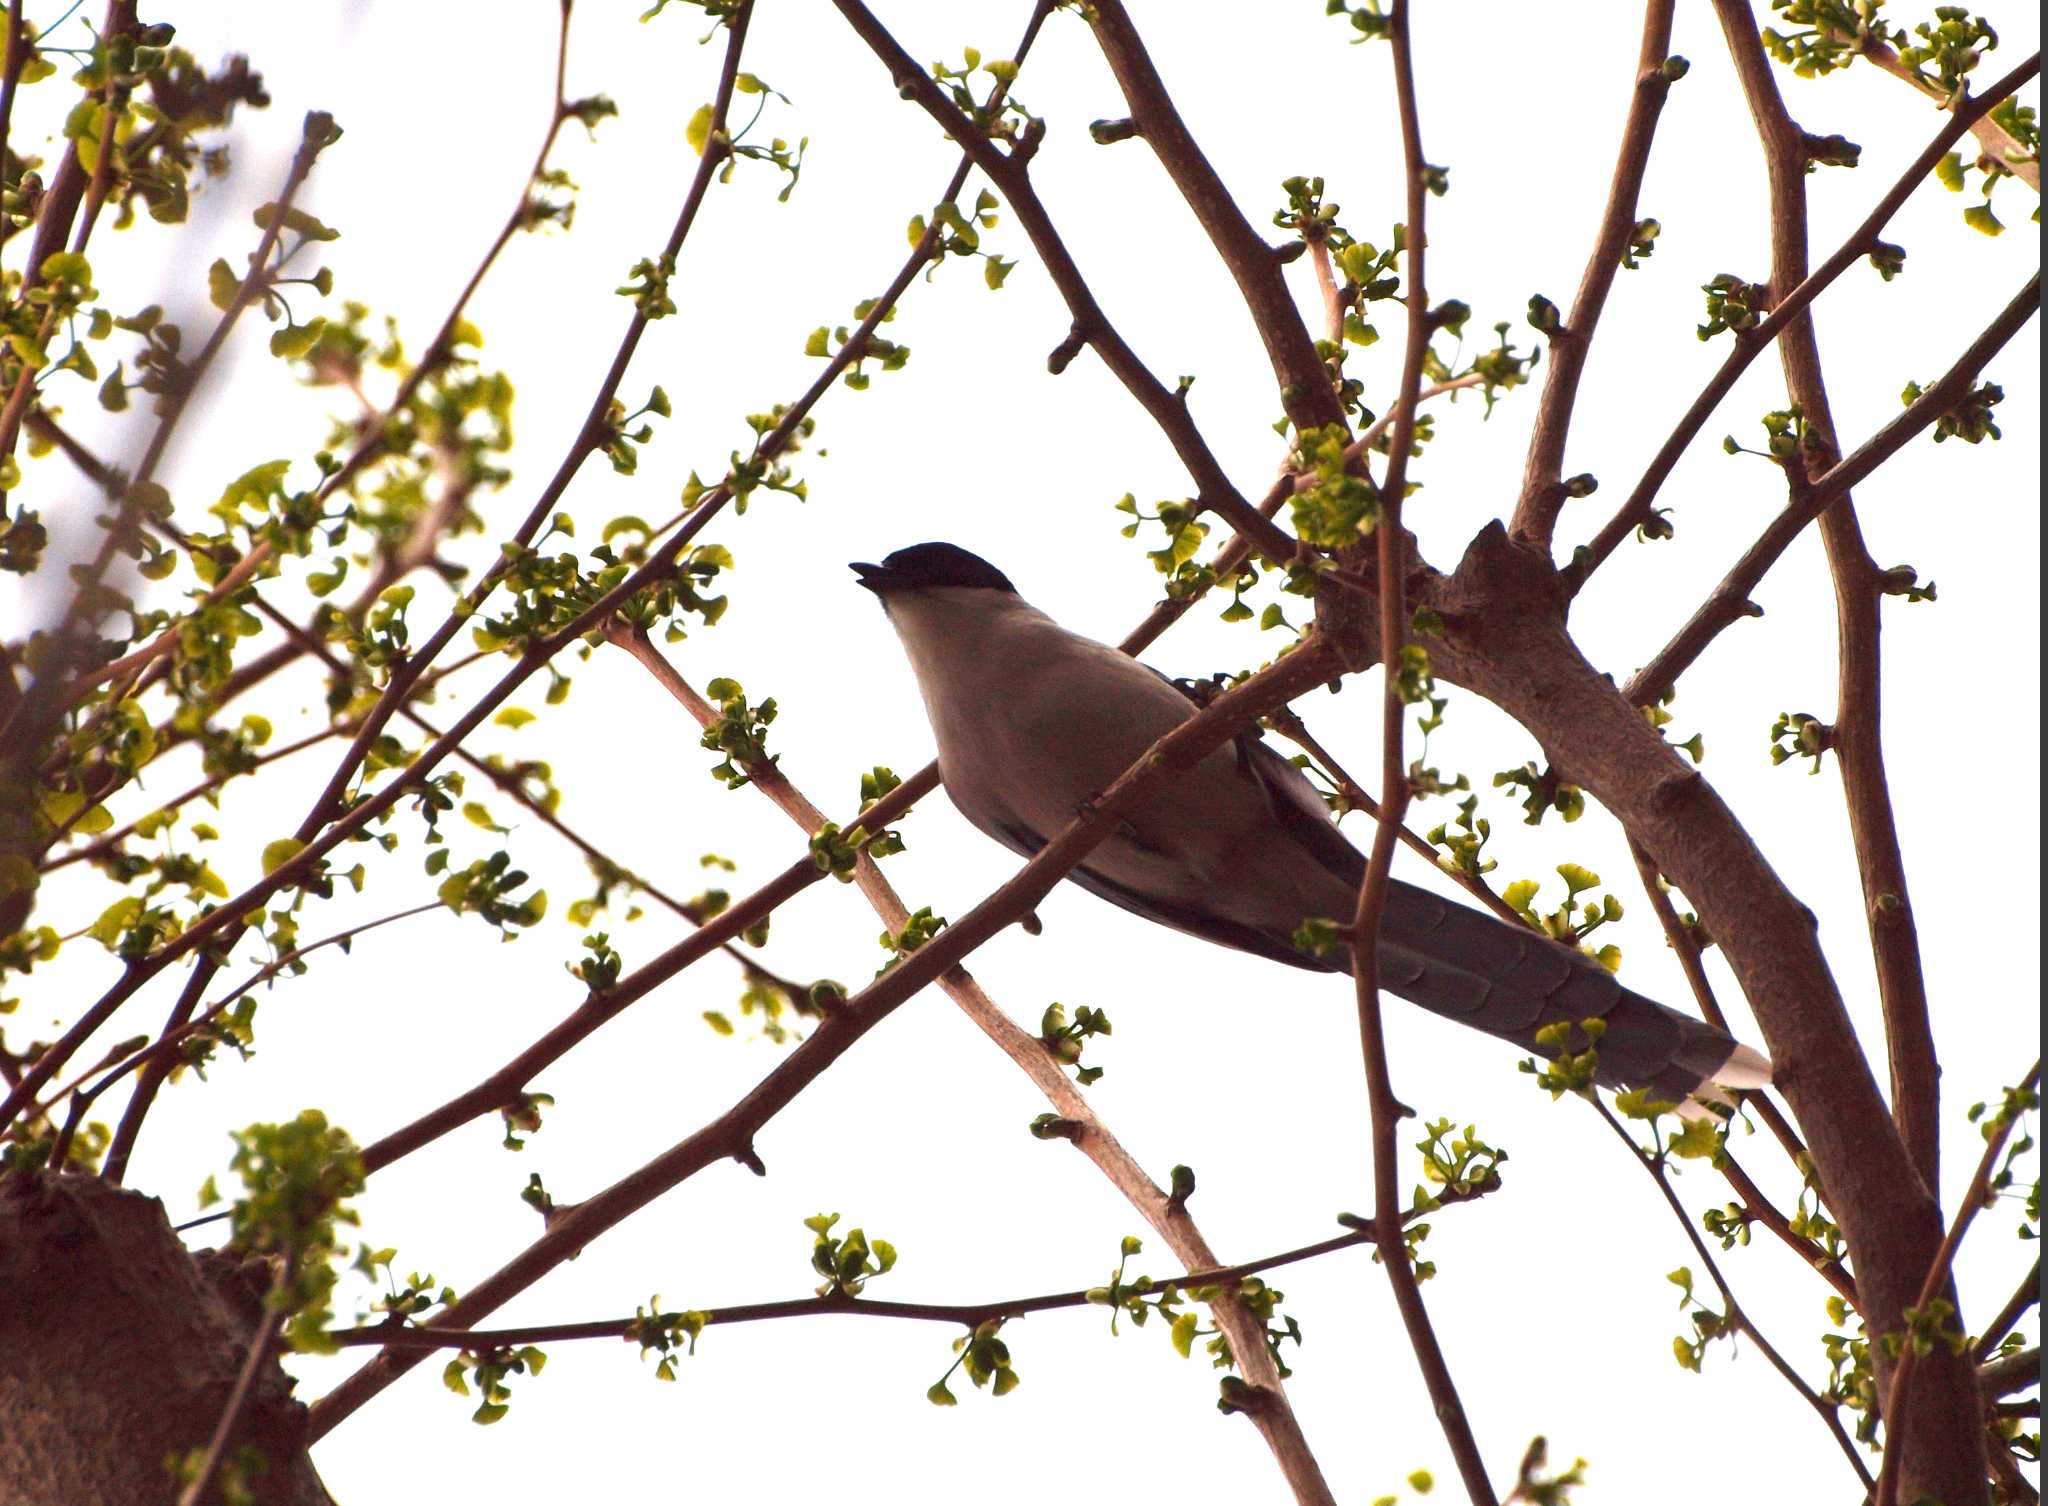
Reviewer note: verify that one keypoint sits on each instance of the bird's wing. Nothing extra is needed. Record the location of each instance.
(1207, 924)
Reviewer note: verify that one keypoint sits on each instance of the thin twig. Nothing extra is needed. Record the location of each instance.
(834, 1304)
(1686, 947)
(2024, 1296)
(1728, 602)
(1387, 1111)
(1654, 1165)
(261, 1346)
(1749, 344)
(1009, 173)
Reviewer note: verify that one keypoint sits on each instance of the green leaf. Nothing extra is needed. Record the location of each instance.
(1979, 217)
(698, 132)
(294, 340)
(295, 220)
(939, 1396)
(279, 853)
(222, 284)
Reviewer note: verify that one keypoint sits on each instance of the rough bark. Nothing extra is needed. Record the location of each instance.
(1505, 639)
(118, 1349)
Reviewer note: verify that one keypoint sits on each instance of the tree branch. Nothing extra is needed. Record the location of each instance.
(1305, 389)
(1386, 1110)
(1729, 601)
(833, 1304)
(731, 1134)
(1543, 495)
(1654, 1165)
(1751, 343)
(1687, 949)
(1998, 143)
(1275, 1419)
(2027, 1294)
(1010, 175)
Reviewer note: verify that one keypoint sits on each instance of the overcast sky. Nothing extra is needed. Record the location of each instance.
(1551, 1297)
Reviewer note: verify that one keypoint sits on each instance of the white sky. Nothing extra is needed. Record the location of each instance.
(1551, 1299)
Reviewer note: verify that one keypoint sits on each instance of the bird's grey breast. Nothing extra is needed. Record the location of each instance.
(1053, 719)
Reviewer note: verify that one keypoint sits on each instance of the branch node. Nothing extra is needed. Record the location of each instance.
(1053, 1127)
(1669, 795)
(1063, 353)
(748, 1157)
(1242, 1396)
(1107, 132)
(1027, 143)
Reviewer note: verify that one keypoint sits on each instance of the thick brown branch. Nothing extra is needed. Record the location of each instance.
(1305, 390)
(1010, 175)
(1504, 640)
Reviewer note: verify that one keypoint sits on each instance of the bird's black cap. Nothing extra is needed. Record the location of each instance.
(930, 565)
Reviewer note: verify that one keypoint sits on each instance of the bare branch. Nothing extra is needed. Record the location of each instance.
(1729, 601)
(1387, 1111)
(1305, 389)
(1543, 493)
(1008, 171)
(1654, 1165)
(2026, 1295)
(2018, 1371)
(1750, 343)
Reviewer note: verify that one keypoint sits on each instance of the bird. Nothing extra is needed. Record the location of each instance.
(1033, 722)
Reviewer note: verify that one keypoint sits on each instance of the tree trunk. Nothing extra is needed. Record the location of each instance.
(119, 1348)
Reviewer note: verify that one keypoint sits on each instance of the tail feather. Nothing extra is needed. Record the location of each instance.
(1512, 983)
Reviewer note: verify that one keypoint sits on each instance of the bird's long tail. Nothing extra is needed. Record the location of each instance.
(1510, 982)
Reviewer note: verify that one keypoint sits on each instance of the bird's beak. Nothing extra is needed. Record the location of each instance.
(877, 578)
